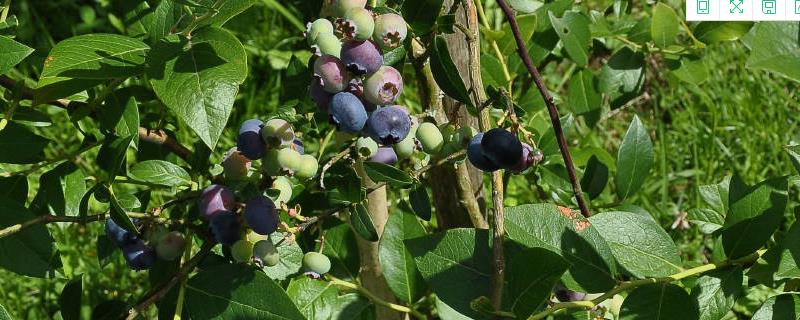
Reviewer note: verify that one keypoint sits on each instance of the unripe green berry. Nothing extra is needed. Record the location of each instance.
(170, 246)
(366, 147)
(430, 138)
(242, 250)
(316, 262)
(341, 7)
(284, 188)
(357, 24)
(307, 168)
(267, 252)
(390, 30)
(277, 133)
(328, 44)
(406, 147)
(317, 28)
(276, 162)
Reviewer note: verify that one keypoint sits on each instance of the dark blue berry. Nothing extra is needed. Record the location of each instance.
(502, 147)
(139, 256)
(225, 227)
(347, 112)
(385, 155)
(118, 235)
(261, 215)
(298, 146)
(388, 125)
(476, 157)
(249, 139)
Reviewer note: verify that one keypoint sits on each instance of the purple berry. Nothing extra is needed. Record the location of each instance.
(525, 161)
(390, 30)
(119, 235)
(361, 57)
(388, 125)
(249, 139)
(298, 146)
(235, 165)
(331, 73)
(357, 23)
(384, 86)
(321, 97)
(385, 155)
(139, 256)
(566, 295)
(502, 147)
(476, 157)
(225, 227)
(261, 215)
(215, 199)
(347, 112)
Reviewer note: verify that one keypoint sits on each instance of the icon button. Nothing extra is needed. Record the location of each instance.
(796, 6)
(702, 6)
(736, 6)
(768, 6)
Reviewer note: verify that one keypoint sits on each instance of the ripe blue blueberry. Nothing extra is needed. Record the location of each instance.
(214, 199)
(139, 256)
(388, 125)
(331, 73)
(119, 236)
(298, 146)
(261, 215)
(347, 112)
(385, 155)
(476, 157)
(384, 86)
(390, 30)
(225, 227)
(249, 139)
(502, 147)
(361, 57)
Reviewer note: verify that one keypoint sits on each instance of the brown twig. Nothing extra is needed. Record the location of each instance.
(49, 218)
(159, 292)
(154, 136)
(551, 107)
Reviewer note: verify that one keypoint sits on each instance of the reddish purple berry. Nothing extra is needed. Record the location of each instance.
(215, 199)
(383, 87)
(361, 57)
(332, 73)
(321, 97)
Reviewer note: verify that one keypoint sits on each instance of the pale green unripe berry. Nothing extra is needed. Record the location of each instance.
(267, 252)
(316, 262)
(170, 246)
(357, 23)
(341, 7)
(366, 147)
(277, 133)
(390, 30)
(317, 28)
(307, 168)
(276, 162)
(328, 44)
(430, 138)
(242, 250)
(284, 188)
(406, 147)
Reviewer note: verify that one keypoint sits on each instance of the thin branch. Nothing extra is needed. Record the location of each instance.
(154, 136)
(159, 292)
(375, 299)
(49, 218)
(625, 286)
(551, 106)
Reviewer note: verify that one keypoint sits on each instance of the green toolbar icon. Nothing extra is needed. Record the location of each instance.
(769, 6)
(737, 6)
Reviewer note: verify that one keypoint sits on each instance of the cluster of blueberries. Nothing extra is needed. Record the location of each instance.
(141, 254)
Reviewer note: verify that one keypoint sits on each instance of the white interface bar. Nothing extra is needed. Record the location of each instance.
(743, 10)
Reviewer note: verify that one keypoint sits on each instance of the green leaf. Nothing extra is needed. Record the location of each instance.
(623, 76)
(689, 69)
(638, 243)
(782, 306)
(492, 71)
(60, 191)
(120, 216)
(340, 247)
(70, 299)
(111, 156)
(583, 96)
(794, 154)
(362, 223)
(527, 26)
(664, 28)
(446, 73)
(121, 117)
(237, 291)
(28, 147)
(776, 49)
(780, 261)
(11, 53)
(634, 160)
(397, 263)
(351, 306)
(658, 301)
(29, 252)
(315, 299)
(531, 276)
(111, 309)
(592, 267)
(96, 56)
(573, 30)
(595, 177)
(51, 88)
(224, 12)
(380, 172)
(525, 6)
(755, 213)
(14, 188)
(456, 265)
(4, 314)
(160, 172)
(716, 196)
(717, 291)
(706, 219)
(420, 202)
(199, 84)
(548, 142)
(291, 259)
(421, 14)
(711, 32)
(165, 16)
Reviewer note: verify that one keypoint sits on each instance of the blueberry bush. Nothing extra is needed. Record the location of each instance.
(397, 159)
